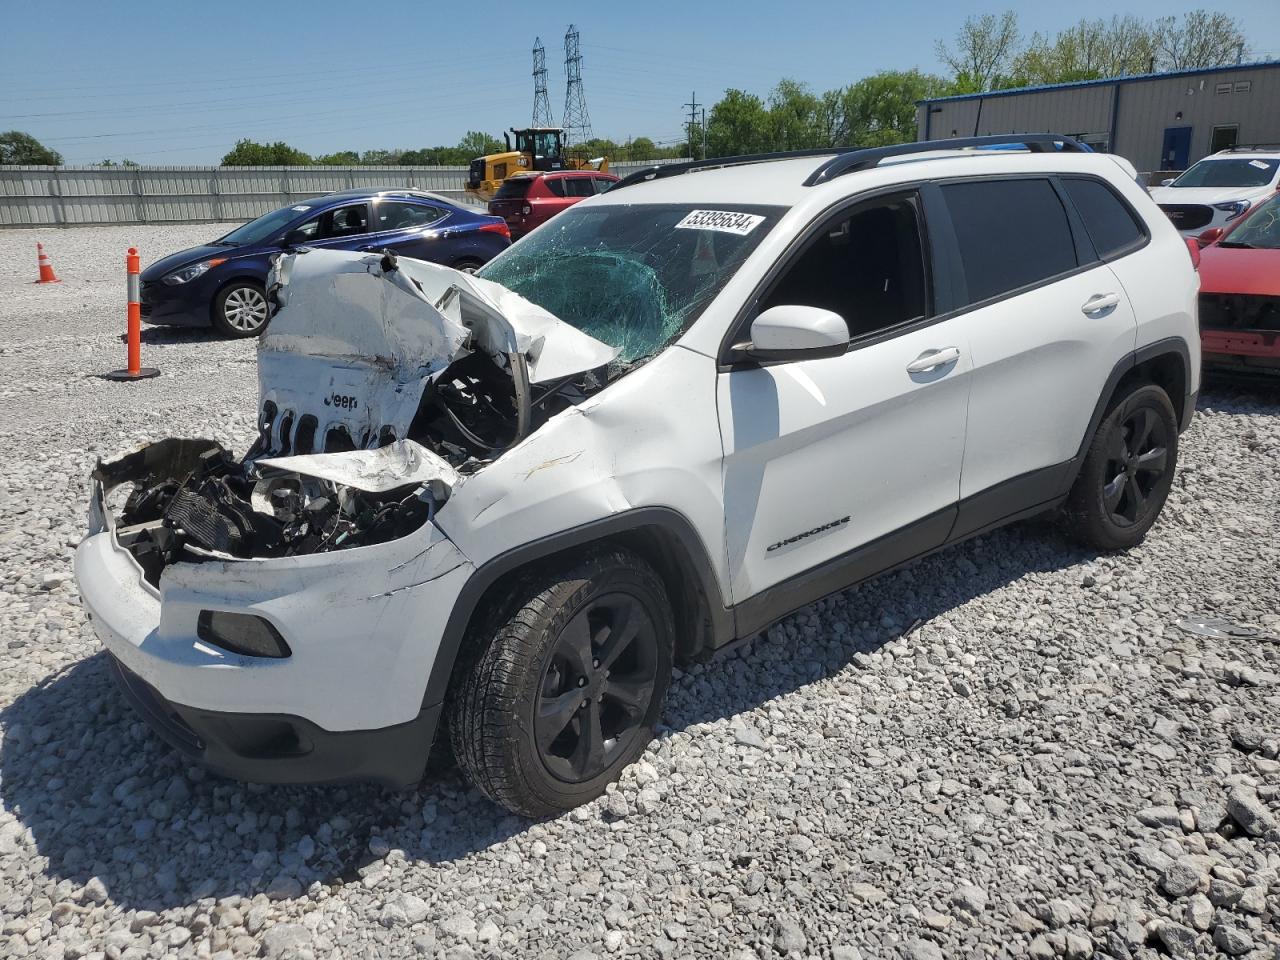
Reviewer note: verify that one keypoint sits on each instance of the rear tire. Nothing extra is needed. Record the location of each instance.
(468, 265)
(240, 309)
(563, 690)
(1127, 471)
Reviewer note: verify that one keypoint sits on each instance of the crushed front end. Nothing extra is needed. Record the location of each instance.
(276, 616)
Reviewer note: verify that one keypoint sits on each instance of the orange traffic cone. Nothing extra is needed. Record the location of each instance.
(46, 268)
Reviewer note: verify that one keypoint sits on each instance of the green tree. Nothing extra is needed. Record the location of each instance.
(596, 147)
(1089, 50)
(247, 153)
(478, 144)
(881, 109)
(737, 123)
(982, 52)
(795, 117)
(641, 148)
(341, 158)
(19, 147)
(1202, 39)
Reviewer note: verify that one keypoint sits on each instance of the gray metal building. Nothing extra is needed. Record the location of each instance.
(1159, 121)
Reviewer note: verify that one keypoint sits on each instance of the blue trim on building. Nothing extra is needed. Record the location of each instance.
(1134, 78)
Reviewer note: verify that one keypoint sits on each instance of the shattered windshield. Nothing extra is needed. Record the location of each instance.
(1261, 231)
(633, 276)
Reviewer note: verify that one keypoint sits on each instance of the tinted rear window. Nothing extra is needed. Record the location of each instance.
(1111, 225)
(1012, 233)
(513, 189)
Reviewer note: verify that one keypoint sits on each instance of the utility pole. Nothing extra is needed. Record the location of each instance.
(704, 133)
(577, 123)
(541, 101)
(693, 123)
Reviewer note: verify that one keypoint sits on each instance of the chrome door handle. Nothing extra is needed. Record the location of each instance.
(1099, 302)
(932, 359)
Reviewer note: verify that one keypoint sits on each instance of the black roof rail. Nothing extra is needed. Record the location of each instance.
(854, 160)
(1249, 147)
(663, 170)
(849, 159)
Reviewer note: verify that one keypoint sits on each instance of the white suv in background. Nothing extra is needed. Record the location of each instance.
(504, 504)
(1219, 188)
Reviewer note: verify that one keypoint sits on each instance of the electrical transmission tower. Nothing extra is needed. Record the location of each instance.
(577, 124)
(541, 102)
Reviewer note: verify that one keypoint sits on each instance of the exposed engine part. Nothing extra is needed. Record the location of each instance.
(192, 501)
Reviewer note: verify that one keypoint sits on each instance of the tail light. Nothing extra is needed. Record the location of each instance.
(499, 227)
(1193, 247)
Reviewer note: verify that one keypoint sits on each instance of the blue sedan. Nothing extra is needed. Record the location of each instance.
(223, 283)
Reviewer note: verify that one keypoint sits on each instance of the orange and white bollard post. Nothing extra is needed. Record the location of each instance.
(46, 266)
(135, 370)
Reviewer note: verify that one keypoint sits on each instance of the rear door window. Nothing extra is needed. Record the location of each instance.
(402, 215)
(579, 187)
(1108, 219)
(1012, 234)
(349, 221)
(555, 185)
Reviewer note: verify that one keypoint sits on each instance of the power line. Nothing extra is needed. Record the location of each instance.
(577, 123)
(693, 122)
(541, 101)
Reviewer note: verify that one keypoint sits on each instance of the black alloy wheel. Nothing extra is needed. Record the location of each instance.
(1137, 457)
(597, 687)
(563, 683)
(1127, 471)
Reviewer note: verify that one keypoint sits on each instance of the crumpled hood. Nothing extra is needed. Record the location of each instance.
(357, 339)
(1205, 195)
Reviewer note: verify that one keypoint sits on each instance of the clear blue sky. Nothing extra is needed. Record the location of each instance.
(179, 82)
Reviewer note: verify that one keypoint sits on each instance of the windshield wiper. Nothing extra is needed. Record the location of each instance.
(1236, 243)
(224, 243)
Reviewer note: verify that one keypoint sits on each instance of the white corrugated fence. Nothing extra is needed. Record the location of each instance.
(37, 196)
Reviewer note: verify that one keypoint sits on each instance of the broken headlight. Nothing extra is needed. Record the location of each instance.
(187, 274)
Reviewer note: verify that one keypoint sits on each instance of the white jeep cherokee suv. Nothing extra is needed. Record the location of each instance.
(1219, 189)
(683, 409)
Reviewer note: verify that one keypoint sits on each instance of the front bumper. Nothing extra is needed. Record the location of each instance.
(277, 748)
(363, 625)
(186, 304)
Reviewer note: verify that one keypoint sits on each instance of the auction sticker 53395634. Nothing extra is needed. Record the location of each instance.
(726, 221)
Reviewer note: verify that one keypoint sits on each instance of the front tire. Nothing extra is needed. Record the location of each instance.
(468, 265)
(1127, 471)
(240, 309)
(563, 691)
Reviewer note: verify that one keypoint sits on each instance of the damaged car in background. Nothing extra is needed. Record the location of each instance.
(499, 506)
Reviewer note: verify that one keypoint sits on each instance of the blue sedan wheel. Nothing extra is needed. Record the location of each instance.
(240, 310)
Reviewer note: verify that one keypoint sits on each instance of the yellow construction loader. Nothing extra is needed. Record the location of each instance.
(536, 149)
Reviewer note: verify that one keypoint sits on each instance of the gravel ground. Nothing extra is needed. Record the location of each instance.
(1044, 767)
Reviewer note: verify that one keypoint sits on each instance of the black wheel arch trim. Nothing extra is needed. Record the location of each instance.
(672, 524)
